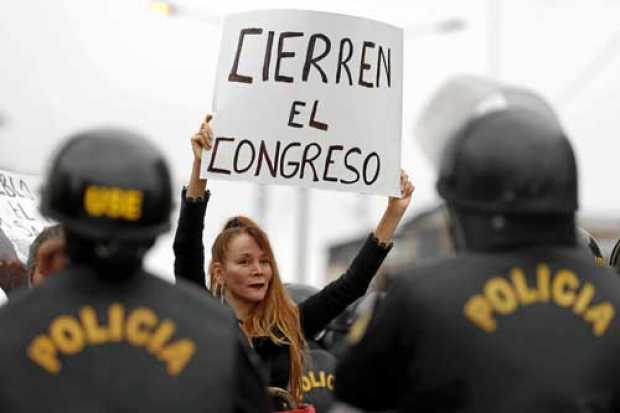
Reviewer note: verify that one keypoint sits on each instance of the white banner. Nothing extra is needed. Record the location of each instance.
(20, 220)
(308, 98)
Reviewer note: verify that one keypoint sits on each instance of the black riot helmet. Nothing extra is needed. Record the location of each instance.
(588, 241)
(109, 186)
(614, 258)
(338, 329)
(300, 292)
(510, 161)
(508, 174)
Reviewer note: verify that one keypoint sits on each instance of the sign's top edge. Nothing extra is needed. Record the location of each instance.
(316, 12)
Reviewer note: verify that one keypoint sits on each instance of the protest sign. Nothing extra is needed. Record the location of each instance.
(20, 220)
(310, 99)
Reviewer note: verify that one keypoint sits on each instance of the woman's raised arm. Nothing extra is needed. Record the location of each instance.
(188, 246)
(395, 210)
(321, 308)
(201, 140)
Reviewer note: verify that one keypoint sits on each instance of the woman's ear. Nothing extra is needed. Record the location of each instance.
(218, 270)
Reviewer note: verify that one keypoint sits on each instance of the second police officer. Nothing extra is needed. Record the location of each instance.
(522, 319)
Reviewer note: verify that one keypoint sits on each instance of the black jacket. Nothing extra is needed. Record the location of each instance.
(530, 330)
(81, 343)
(315, 312)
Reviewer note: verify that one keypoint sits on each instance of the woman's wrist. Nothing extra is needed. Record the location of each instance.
(385, 244)
(196, 187)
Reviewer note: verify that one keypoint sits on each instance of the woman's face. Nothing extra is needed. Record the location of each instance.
(246, 270)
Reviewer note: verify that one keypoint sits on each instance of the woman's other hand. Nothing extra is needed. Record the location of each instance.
(203, 139)
(395, 210)
(400, 205)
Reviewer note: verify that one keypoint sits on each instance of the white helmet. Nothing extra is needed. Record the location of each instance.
(463, 98)
(3, 298)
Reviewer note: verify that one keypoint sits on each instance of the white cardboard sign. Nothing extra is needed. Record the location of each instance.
(20, 220)
(308, 99)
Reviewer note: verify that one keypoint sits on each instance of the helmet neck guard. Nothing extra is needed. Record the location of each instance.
(481, 231)
(111, 260)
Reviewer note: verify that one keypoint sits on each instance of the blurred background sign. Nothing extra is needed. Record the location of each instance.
(20, 220)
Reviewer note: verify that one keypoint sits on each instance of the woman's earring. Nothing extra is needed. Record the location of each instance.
(219, 292)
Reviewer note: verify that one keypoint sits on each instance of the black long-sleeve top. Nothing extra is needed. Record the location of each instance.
(315, 312)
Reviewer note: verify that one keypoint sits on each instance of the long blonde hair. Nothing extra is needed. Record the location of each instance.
(276, 316)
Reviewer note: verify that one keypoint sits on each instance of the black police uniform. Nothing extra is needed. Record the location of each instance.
(103, 335)
(83, 343)
(318, 380)
(522, 331)
(522, 319)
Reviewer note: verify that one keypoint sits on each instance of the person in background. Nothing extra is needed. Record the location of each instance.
(12, 276)
(103, 334)
(243, 273)
(522, 319)
(7, 250)
(46, 254)
(12, 271)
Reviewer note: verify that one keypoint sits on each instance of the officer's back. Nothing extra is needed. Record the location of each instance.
(82, 343)
(530, 330)
(103, 335)
(521, 320)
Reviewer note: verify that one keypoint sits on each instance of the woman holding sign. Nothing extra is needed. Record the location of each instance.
(243, 273)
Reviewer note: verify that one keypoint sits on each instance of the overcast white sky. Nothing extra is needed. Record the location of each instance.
(70, 64)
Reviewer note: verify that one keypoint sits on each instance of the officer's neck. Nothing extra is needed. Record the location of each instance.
(488, 232)
(122, 262)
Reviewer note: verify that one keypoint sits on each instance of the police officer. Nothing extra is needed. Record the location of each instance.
(522, 319)
(103, 334)
(319, 373)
